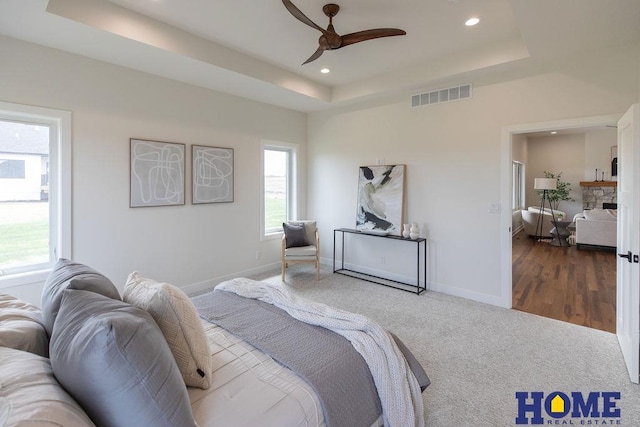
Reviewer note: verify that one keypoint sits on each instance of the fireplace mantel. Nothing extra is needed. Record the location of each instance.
(598, 183)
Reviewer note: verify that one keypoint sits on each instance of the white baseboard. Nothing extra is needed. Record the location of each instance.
(212, 283)
(411, 280)
(431, 286)
(517, 230)
(467, 294)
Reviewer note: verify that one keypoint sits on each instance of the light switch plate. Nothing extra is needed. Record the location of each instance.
(495, 208)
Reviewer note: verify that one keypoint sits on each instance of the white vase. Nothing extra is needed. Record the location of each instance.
(405, 231)
(414, 232)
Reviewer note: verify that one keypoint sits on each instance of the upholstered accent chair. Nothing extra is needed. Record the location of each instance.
(530, 220)
(300, 244)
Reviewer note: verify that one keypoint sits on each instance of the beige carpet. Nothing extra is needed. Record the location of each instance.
(478, 356)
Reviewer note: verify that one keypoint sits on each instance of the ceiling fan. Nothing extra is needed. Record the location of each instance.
(330, 40)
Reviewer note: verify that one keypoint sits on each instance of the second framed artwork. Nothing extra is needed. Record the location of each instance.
(212, 174)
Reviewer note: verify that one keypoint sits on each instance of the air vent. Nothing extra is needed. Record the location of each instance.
(442, 95)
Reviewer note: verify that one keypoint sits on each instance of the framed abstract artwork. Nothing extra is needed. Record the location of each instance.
(381, 198)
(157, 173)
(212, 174)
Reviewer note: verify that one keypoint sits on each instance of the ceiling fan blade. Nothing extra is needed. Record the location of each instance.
(365, 35)
(301, 16)
(315, 55)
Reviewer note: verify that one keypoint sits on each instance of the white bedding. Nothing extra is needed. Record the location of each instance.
(251, 389)
(398, 388)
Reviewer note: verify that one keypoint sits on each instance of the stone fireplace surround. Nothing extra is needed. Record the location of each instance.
(595, 193)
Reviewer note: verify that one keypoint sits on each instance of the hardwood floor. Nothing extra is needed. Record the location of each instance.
(565, 283)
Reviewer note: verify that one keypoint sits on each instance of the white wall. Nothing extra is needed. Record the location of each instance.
(557, 154)
(184, 245)
(453, 157)
(519, 149)
(597, 145)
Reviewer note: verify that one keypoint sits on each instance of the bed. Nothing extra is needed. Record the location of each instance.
(268, 316)
(250, 388)
(246, 354)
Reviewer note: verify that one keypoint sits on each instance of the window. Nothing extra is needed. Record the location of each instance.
(35, 176)
(278, 187)
(517, 198)
(11, 169)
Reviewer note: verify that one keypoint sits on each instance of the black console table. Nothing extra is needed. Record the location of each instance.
(409, 287)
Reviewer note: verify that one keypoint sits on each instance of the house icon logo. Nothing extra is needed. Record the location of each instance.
(557, 405)
(560, 408)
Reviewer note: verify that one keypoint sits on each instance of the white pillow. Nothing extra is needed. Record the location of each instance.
(30, 394)
(21, 326)
(178, 320)
(598, 214)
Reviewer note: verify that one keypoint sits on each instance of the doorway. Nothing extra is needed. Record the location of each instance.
(561, 283)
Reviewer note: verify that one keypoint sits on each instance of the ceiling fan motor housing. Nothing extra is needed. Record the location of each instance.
(330, 41)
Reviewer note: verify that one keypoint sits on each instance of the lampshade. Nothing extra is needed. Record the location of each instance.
(545, 183)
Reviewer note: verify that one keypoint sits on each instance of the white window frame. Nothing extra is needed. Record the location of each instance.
(292, 185)
(518, 188)
(59, 123)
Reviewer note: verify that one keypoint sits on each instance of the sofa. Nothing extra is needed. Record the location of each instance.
(530, 220)
(597, 229)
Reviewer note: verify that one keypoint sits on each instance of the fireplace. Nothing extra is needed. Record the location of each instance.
(595, 194)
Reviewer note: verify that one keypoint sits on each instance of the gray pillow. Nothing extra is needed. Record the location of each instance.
(294, 235)
(113, 359)
(71, 275)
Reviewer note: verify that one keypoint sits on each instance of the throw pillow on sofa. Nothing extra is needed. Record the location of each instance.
(179, 322)
(601, 214)
(71, 275)
(21, 326)
(31, 394)
(112, 358)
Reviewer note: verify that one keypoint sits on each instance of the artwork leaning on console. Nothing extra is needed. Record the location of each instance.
(381, 198)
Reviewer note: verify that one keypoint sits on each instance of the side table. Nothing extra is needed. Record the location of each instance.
(560, 233)
(338, 237)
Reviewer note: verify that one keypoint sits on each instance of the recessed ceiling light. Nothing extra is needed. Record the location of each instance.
(471, 22)
(554, 132)
(325, 71)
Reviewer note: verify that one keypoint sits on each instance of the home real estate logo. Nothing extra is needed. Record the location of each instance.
(574, 408)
